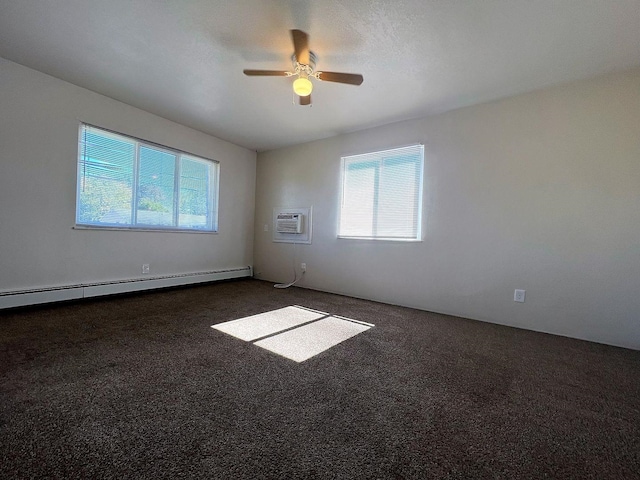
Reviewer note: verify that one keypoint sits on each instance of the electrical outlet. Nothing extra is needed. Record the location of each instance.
(518, 296)
(303, 267)
(145, 268)
(266, 227)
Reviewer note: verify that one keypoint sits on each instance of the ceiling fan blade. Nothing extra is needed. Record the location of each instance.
(301, 46)
(305, 100)
(265, 73)
(350, 78)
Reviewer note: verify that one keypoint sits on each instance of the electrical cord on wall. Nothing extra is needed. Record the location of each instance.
(295, 273)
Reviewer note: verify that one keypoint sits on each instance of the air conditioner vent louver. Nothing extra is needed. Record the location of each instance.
(289, 223)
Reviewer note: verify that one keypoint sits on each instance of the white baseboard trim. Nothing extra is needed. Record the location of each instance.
(21, 298)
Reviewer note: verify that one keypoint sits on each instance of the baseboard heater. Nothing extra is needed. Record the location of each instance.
(20, 298)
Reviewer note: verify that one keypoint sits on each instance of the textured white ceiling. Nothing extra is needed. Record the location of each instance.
(183, 59)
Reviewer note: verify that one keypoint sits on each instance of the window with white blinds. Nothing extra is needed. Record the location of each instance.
(382, 195)
(124, 182)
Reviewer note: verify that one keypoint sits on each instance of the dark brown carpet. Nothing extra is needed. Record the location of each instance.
(141, 387)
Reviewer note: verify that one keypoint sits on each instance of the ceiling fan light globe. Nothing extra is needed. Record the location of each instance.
(302, 87)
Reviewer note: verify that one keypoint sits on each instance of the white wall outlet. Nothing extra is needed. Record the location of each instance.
(145, 268)
(266, 227)
(518, 296)
(303, 267)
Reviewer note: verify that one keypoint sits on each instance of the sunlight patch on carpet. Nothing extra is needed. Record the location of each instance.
(267, 323)
(294, 332)
(309, 340)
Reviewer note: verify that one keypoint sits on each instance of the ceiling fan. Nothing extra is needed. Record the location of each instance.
(304, 67)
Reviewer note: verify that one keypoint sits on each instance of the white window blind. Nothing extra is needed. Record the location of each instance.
(124, 182)
(382, 194)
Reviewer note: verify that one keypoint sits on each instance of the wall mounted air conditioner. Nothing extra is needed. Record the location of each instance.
(289, 223)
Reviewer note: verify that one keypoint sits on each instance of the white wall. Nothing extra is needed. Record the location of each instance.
(539, 192)
(39, 118)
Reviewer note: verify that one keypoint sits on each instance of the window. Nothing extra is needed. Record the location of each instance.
(124, 182)
(382, 195)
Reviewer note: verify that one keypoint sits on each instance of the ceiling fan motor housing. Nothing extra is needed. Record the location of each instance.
(311, 65)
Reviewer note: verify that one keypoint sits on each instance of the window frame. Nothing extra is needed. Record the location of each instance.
(212, 194)
(380, 155)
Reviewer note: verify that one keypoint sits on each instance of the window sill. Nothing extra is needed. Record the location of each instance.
(382, 239)
(139, 229)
